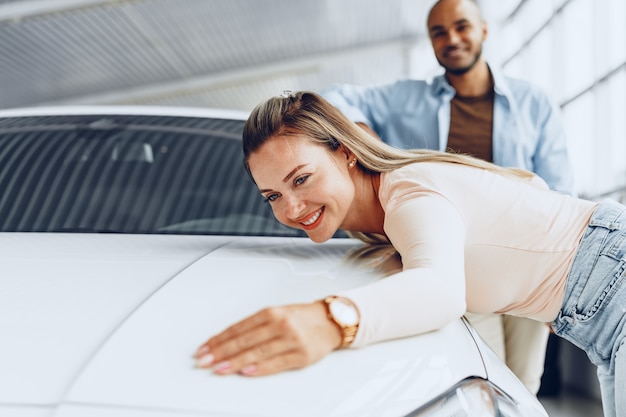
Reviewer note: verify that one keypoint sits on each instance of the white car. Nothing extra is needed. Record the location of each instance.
(128, 236)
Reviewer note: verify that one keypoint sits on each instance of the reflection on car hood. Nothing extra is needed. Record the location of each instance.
(111, 321)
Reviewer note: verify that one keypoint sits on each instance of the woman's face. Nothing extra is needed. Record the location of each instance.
(307, 185)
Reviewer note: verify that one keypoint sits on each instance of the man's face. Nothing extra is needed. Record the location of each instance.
(457, 33)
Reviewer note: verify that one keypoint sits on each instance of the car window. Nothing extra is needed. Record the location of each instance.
(129, 174)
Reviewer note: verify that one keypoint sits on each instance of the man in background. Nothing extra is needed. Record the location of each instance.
(472, 109)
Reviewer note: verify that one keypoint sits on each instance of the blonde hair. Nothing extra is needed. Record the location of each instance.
(308, 114)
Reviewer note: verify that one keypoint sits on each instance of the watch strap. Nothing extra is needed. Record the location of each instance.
(348, 332)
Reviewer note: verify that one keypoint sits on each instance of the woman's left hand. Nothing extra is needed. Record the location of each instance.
(273, 340)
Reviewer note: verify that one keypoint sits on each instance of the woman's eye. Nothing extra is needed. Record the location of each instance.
(300, 180)
(271, 197)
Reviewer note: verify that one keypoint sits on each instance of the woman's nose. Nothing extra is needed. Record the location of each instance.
(293, 207)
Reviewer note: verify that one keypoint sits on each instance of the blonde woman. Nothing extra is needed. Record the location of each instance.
(457, 222)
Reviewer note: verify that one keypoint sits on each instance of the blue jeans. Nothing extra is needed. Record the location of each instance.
(593, 314)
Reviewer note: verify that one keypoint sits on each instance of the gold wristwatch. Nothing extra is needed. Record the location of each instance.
(345, 315)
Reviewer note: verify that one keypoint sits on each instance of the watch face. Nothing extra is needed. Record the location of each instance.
(344, 312)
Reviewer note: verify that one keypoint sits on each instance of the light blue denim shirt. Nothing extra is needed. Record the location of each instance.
(527, 127)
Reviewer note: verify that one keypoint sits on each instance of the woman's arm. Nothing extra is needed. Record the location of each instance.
(430, 292)
(429, 233)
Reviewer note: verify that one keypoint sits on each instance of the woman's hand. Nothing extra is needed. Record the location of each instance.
(273, 340)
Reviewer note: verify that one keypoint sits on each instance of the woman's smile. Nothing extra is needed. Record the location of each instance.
(312, 220)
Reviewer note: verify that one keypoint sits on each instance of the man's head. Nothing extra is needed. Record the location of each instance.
(457, 32)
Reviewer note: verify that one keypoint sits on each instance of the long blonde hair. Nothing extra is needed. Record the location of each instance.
(308, 114)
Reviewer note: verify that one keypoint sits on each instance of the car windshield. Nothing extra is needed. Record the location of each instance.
(129, 174)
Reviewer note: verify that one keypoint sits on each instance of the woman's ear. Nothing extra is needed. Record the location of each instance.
(347, 153)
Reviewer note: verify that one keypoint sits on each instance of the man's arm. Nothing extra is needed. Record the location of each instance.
(368, 129)
(355, 102)
(551, 159)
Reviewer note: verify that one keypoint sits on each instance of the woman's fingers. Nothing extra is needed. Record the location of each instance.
(250, 332)
(238, 330)
(243, 344)
(283, 362)
(269, 357)
(272, 340)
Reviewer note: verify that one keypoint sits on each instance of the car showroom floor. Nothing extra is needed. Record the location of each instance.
(571, 405)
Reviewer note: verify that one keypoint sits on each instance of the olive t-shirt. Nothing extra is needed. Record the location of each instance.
(471, 120)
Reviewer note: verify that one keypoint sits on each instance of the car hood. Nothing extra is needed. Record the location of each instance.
(106, 325)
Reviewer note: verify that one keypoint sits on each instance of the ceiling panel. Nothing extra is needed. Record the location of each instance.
(218, 53)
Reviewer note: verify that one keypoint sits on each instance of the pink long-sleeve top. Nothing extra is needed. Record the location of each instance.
(470, 240)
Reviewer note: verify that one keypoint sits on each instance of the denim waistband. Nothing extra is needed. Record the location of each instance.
(608, 217)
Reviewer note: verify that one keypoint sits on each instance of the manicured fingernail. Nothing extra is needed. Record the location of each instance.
(205, 361)
(221, 367)
(248, 370)
(201, 351)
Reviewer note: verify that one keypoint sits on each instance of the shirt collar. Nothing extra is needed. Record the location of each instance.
(442, 87)
(500, 86)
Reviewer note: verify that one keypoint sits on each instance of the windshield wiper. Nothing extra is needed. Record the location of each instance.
(84, 230)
